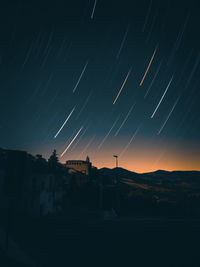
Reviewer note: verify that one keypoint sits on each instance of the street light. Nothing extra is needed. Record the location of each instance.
(116, 156)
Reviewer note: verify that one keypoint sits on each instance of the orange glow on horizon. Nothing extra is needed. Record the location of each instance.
(144, 158)
(143, 155)
(147, 161)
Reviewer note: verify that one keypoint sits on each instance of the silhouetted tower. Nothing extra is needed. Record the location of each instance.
(87, 159)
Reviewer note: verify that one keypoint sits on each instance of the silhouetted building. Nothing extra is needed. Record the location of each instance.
(83, 166)
(28, 185)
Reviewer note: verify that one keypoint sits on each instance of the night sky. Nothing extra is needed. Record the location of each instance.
(101, 77)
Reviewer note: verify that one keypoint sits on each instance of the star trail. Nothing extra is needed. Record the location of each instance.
(64, 123)
(148, 67)
(71, 142)
(102, 78)
(162, 98)
(122, 87)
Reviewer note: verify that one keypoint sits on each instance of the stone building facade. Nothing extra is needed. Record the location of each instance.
(83, 166)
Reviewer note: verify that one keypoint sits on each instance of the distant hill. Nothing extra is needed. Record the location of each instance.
(159, 175)
(159, 186)
(158, 172)
(117, 171)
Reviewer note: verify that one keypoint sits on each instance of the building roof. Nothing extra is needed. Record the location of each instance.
(76, 161)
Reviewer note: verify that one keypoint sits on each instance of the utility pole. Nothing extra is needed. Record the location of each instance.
(116, 156)
(115, 189)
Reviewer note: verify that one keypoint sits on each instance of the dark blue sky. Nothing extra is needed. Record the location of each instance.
(101, 50)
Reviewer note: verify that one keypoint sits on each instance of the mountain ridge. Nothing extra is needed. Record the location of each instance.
(157, 171)
(159, 174)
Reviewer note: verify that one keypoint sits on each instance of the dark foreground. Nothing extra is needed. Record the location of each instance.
(121, 242)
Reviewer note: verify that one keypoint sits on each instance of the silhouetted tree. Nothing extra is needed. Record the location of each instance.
(53, 160)
(39, 158)
(53, 157)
